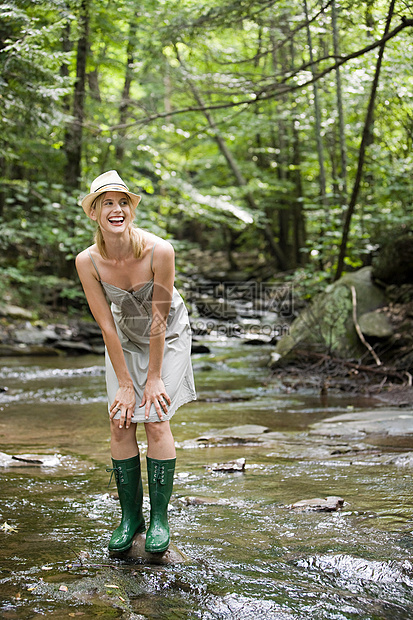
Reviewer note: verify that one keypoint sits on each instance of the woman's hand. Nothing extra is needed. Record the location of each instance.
(155, 393)
(125, 403)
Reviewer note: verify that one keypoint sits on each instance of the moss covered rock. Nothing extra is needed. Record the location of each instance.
(327, 324)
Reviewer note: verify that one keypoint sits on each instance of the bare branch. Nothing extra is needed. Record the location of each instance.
(276, 90)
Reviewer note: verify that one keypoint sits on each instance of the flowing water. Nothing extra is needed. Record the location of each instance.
(249, 555)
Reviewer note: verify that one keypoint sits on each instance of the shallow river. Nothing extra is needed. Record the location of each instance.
(249, 555)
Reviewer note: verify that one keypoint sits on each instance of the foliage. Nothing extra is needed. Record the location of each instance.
(208, 109)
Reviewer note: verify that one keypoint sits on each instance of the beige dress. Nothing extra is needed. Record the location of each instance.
(132, 312)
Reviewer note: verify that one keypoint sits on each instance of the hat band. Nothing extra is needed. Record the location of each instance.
(110, 185)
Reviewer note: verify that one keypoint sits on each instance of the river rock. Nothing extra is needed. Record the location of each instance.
(74, 347)
(327, 324)
(375, 324)
(137, 552)
(401, 460)
(18, 350)
(31, 334)
(15, 312)
(199, 348)
(246, 433)
(29, 460)
(388, 422)
(229, 466)
(193, 500)
(331, 503)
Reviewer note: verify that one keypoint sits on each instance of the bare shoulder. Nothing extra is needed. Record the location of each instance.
(164, 248)
(163, 263)
(83, 261)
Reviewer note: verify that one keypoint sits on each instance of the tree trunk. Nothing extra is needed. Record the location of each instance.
(73, 142)
(317, 114)
(299, 236)
(365, 140)
(64, 69)
(280, 141)
(2, 192)
(123, 107)
(343, 155)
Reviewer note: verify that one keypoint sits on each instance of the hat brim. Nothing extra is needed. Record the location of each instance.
(88, 200)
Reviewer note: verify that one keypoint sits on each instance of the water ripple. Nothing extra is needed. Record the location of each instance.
(36, 373)
(351, 568)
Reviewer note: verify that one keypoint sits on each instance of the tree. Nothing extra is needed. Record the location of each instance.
(74, 132)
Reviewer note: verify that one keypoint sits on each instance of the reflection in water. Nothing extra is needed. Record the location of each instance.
(250, 555)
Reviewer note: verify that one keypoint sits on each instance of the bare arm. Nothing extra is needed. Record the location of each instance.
(125, 396)
(164, 274)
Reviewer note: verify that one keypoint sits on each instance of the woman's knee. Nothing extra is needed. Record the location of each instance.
(122, 435)
(157, 431)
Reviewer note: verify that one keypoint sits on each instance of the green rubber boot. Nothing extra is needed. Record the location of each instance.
(160, 480)
(129, 483)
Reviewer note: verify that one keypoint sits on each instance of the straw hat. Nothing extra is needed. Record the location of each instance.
(107, 182)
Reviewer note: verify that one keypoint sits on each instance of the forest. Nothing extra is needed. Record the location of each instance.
(278, 129)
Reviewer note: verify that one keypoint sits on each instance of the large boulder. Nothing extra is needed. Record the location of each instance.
(327, 324)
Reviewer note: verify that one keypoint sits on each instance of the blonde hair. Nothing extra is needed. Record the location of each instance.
(136, 238)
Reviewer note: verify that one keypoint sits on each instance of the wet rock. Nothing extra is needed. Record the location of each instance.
(387, 422)
(172, 555)
(193, 500)
(87, 330)
(246, 433)
(15, 312)
(34, 335)
(80, 337)
(18, 350)
(225, 398)
(375, 325)
(199, 348)
(229, 466)
(328, 323)
(328, 504)
(257, 342)
(28, 460)
(401, 460)
(74, 347)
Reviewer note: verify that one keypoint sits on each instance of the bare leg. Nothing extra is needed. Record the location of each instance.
(161, 443)
(123, 444)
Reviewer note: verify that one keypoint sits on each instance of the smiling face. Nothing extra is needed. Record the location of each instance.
(113, 212)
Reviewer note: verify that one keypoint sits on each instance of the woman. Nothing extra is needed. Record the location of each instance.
(148, 341)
